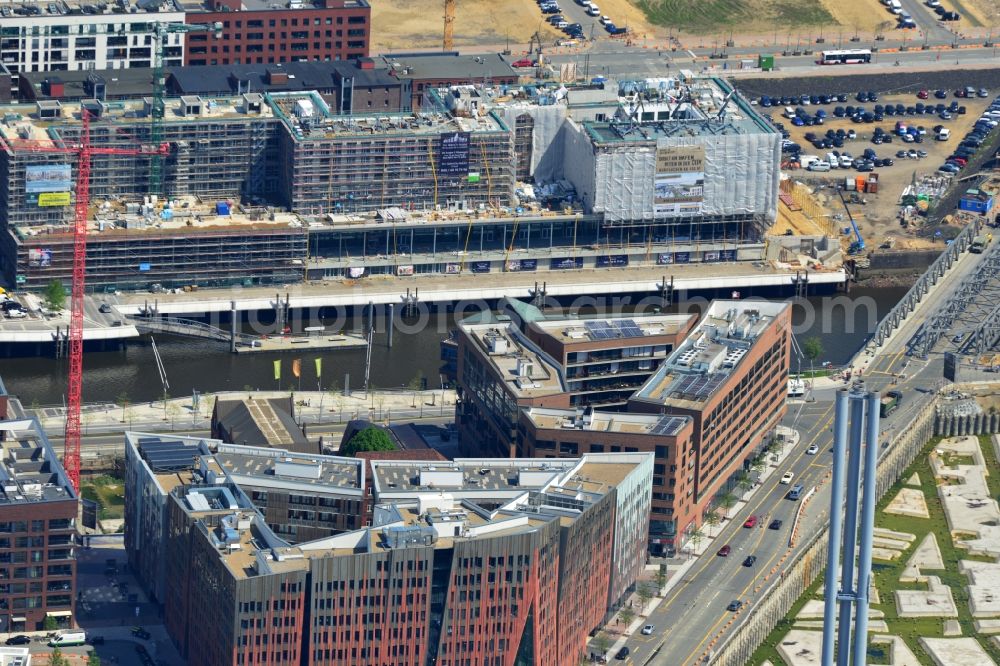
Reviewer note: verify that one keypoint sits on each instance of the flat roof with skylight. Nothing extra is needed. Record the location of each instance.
(711, 353)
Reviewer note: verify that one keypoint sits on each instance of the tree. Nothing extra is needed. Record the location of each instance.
(50, 623)
(712, 518)
(812, 349)
(368, 439)
(602, 643)
(727, 501)
(626, 615)
(661, 578)
(696, 536)
(55, 295)
(93, 659)
(758, 465)
(57, 658)
(743, 482)
(645, 594)
(416, 384)
(123, 401)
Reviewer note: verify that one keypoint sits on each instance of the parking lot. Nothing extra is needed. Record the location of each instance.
(878, 217)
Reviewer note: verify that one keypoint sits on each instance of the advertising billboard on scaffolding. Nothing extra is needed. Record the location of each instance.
(679, 181)
(453, 154)
(48, 178)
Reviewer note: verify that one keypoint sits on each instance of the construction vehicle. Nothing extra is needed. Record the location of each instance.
(84, 152)
(448, 42)
(858, 245)
(536, 39)
(889, 403)
(161, 30)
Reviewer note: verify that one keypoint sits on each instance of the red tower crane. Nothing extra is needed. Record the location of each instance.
(84, 151)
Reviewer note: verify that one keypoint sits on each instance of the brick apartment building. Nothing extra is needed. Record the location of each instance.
(255, 32)
(538, 360)
(491, 560)
(704, 407)
(731, 378)
(38, 509)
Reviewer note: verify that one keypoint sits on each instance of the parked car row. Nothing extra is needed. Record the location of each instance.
(12, 309)
(943, 14)
(973, 139)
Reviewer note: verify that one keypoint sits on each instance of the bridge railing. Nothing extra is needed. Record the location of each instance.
(188, 327)
(934, 272)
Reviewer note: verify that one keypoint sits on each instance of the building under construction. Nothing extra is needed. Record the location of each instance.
(667, 171)
(433, 160)
(126, 252)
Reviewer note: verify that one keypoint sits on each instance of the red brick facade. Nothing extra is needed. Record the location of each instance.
(329, 30)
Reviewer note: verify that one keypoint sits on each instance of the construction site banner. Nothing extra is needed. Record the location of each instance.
(38, 257)
(453, 154)
(679, 181)
(53, 199)
(567, 263)
(48, 178)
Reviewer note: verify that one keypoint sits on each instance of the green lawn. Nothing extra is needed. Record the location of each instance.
(887, 573)
(708, 16)
(108, 492)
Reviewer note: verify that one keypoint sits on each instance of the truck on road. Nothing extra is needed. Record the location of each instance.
(889, 403)
(978, 244)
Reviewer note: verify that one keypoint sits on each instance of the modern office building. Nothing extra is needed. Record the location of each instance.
(154, 466)
(566, 433)
(497, 560)
(38, 510)
(730, 377)
(546, 360)
(260, 33)
(703, 402)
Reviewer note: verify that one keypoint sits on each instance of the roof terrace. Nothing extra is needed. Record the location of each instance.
(30, 470)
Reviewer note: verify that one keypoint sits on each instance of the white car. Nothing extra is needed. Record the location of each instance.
(16, 314)
(604, 20)
(812, 450)
(647, 630)
(787, 478)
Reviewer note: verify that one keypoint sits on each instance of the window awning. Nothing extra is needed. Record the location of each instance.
(18, 619)
(59, 613)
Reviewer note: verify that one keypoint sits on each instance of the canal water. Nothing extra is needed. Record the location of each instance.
(841, 321)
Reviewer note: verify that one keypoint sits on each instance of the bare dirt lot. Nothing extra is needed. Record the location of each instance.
(878, 217)
(402, 25)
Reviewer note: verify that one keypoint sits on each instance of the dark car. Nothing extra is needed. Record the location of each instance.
(734, 605)
(775, 524)
(940, 94)
(20, 639)
(140, 633)
(750, 561)
(725, 550)
(623, 653)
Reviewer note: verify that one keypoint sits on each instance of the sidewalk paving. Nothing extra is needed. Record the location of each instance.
(675, 575)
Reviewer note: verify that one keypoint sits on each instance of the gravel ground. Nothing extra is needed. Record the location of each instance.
(885, 83)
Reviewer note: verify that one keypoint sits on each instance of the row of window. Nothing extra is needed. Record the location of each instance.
(284, 23)
(35, 525)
